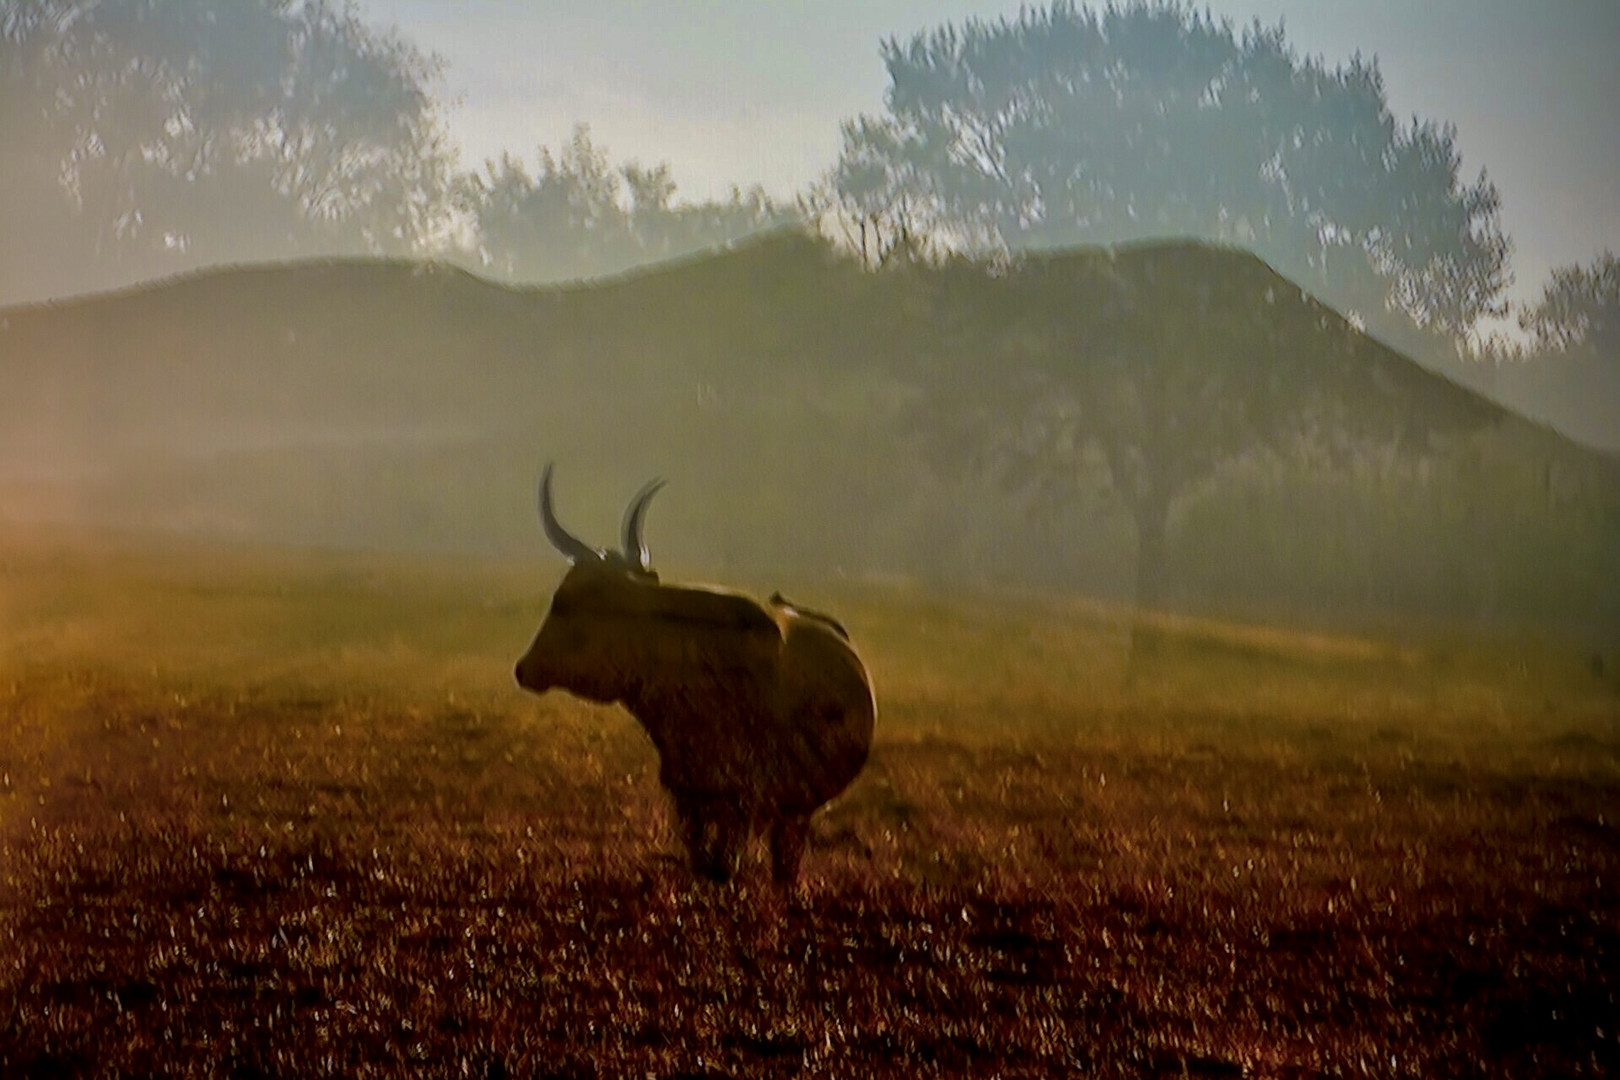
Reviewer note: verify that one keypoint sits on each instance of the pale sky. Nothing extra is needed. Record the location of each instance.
(744, 91)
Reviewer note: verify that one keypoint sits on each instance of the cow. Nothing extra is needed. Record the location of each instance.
(760, 713)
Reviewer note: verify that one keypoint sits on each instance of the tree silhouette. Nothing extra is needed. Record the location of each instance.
(1580, 309)
(145, 137)
(578, 216)
(1151, 121)
(1569, 373)
(1068, 126)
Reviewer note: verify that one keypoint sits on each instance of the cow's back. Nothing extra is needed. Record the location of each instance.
(826, 716)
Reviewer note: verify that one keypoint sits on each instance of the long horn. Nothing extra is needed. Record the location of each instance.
(561, 539)
(635, 549)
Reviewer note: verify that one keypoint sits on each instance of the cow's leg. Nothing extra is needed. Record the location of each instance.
(730, 820)
(788, 836)
(715, 828)
(696, 831)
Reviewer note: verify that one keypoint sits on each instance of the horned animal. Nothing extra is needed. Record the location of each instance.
(760, 713)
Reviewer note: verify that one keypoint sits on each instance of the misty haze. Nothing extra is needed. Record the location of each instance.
(1141, 410)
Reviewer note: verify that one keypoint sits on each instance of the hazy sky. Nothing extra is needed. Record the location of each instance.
(741, 91)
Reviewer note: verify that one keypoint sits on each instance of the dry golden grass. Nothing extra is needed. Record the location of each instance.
(266, 813)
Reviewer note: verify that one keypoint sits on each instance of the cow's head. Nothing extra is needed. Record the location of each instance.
(601, 604)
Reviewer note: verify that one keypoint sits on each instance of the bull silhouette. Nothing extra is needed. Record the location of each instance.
(761, 713)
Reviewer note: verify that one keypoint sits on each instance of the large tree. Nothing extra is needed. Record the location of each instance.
(147, 136)
(579, 216)
(1070, 126)
(1148, 121)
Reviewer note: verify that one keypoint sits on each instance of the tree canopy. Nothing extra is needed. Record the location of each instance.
(1069, 126)
(579, 216)
(1150, 121)
(1579, 309)
(1568, 373)
(144, 137)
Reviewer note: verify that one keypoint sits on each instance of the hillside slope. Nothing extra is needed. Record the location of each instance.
(778, 386)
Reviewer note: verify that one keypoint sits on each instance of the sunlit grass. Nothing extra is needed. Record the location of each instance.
(280, 812)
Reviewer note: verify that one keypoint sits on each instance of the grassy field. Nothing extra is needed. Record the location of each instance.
(279, 814)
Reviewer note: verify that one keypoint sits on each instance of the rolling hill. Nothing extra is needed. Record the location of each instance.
(782, 389)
